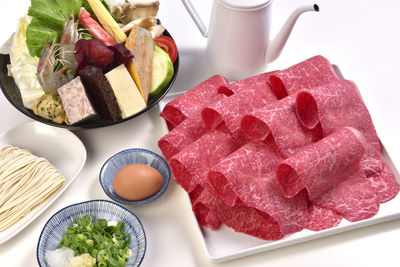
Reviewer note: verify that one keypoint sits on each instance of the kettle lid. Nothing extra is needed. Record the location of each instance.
(245, 4)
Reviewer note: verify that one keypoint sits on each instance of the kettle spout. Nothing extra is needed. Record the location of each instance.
(275, 47)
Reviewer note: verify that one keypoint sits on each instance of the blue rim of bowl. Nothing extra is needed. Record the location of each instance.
(90, 201)
(144, 201)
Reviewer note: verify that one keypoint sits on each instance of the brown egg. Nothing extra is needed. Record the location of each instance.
(137, 182)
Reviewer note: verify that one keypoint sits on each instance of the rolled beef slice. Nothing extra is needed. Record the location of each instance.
(337, 105)
(185, 105)
(310, 73)
(204, 207)
(258, 82)
(231, 109)
(191, 129)
(249, 174)
(250, 221)
(330, 171)
(191, 165)
(278, 124)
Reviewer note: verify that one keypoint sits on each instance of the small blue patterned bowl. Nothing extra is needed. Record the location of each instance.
(57, 225)
(132, 156)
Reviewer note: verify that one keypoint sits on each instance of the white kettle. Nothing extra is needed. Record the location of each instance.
(238, 44)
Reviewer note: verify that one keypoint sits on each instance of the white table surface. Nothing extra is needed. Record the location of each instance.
(361, 37)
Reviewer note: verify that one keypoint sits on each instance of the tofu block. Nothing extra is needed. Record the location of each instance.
(129, 99)
(140, 43)
(76, 102)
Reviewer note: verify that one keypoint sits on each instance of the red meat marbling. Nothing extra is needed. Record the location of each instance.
(190, 165)
(187, 104)
(204, 207)
(273, 159)
(257, 82)
(279, 120)
(313, 72)
(330, 171)
(337, 105)
(191, 129)
(231, 109)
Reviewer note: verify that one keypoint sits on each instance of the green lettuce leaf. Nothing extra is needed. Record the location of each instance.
(69, 6)
(48, 11)
(38, 35)
(48, 20)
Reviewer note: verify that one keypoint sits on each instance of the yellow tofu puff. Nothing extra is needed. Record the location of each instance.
(129, 99)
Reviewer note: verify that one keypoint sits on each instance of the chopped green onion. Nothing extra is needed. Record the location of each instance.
(71, 230)
(80, 238)
(112, 262)
(121, 226)
(108, 244)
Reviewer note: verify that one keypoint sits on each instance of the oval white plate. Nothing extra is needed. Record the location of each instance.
(60, 146)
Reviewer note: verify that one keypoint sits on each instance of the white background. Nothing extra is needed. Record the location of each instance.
(361, 37)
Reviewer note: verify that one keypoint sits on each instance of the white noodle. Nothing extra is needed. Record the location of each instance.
(25, 181)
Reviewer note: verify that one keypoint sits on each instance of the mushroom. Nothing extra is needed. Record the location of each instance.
(148, 23)
(130, 11)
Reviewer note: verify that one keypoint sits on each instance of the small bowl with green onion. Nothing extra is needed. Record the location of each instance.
(96, 232)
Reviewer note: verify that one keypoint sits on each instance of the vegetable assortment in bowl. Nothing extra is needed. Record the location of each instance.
(92, 233)
(77, 64)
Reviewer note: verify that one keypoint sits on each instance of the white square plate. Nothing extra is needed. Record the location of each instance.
(225, 244)
(59, 146)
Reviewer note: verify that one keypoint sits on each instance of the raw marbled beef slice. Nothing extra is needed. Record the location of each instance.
(204, 207)
(195, 193)
(385, 185)
(170, 125)
(320, 218)
(257, 82)
(313, 72)
(231, 109)
(249, 174)
(185, 133)
(337, 105)
(355, 198)
(249, 221)
(191, 165)
(279, 120)
(183, 106)
(321, 166)
(331, 173)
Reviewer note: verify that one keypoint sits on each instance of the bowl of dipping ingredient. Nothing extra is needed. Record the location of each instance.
(92, 233)
(135, 176)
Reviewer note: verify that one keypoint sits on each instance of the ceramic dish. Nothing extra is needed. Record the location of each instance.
(132, 156)
(57, 225)
(61, 147)
(13, 95)
(225, 244)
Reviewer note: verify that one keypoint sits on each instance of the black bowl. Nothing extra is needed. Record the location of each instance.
(12, 93)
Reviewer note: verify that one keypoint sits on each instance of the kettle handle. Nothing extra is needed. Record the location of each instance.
(195, 16)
